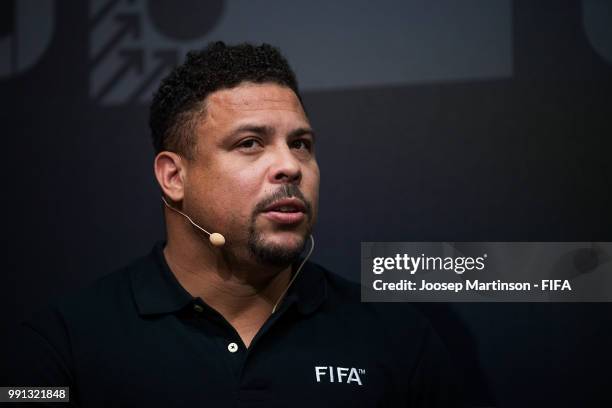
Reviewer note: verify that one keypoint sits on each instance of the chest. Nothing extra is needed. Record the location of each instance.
(178, 363)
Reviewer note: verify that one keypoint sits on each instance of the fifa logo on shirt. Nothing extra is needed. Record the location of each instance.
(339, 374)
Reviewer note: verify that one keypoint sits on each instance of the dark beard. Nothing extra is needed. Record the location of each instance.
(275, 255)
(271, 254)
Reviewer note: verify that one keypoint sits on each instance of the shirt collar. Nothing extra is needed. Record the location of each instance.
(156, 289)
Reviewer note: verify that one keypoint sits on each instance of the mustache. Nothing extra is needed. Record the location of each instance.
(284, 191)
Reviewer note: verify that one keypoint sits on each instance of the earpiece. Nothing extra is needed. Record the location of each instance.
(215, 238)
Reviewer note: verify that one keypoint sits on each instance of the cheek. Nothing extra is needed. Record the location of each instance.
(244, 182)
(240, 192)
(312, 182)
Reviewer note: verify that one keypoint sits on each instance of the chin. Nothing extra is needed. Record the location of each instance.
(286, 238)
(277, 248)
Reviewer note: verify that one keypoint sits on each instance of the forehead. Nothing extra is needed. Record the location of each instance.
(249, 99)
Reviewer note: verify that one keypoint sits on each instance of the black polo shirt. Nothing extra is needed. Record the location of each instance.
(138, 338)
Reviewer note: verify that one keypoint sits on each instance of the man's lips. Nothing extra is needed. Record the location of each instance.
(284, 217)
(286, 211)
(292, 204)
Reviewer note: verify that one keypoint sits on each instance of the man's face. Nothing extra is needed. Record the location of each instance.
(254, 177)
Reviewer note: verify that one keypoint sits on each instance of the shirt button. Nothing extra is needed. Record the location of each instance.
(232, 347)
(198, 308)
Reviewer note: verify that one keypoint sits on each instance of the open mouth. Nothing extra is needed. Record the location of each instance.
(286, 211)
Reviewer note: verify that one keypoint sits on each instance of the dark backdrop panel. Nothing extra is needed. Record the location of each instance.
(505, 140)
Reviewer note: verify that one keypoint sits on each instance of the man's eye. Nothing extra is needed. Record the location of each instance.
(302, 144)
(249, 144)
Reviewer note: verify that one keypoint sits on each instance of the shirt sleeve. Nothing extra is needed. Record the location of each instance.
(38, 356)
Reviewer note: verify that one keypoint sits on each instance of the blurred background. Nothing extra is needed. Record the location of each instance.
(479, 120)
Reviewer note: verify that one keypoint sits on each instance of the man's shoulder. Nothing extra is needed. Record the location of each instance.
(108, 295)
(59, 330)
(108, 289)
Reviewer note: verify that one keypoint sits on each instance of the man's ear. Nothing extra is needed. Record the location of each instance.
(170, 173)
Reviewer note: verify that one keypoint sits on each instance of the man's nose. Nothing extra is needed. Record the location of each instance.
(286, 167)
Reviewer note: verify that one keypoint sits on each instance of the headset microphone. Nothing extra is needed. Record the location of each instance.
(218, 240)
(215, 238)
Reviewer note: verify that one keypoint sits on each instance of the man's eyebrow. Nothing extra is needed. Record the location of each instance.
(301, 132)
(268, 130)
(260, 130)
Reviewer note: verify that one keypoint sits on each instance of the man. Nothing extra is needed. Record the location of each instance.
(225, 313)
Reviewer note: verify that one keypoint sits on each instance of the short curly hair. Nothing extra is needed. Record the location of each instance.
(179, 101)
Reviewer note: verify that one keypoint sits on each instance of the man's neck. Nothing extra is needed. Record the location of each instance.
(242, 293)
